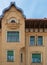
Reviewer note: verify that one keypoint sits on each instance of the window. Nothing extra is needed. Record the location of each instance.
(12, 21)
(32, 40)
(12, 36)
(40, 40)
(10, 56)
(36, 58)
(21, 57)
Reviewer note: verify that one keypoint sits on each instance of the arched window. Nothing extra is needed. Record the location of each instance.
(13, 21)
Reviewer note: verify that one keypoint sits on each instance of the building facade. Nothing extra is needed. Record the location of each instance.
(22, 41)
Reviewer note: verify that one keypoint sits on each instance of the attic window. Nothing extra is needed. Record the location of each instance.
(13, 21)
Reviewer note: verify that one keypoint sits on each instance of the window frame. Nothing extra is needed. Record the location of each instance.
(37, 41)
(13, 21)
(13, 41)
(13, 56)
(34, 40)
(13, 18)
(37, 53)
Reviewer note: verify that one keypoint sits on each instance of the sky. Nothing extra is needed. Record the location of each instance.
(31, 8)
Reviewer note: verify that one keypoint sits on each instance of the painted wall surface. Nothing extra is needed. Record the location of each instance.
(36, 49)
(16, 46)
(24, 45)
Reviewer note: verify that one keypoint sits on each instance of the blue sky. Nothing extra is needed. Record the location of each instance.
(31, 8)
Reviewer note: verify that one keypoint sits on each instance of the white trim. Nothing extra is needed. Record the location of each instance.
(16, 21)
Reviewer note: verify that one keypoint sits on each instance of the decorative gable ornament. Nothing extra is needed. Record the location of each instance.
(13, 20)
(13, 23)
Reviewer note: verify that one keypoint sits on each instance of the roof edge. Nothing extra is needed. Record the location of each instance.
(12, 4)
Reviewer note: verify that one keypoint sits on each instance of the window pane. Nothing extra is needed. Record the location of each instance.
(10, 56)
(13, 36)
(36, 58)
(10, 53)
(40, 40)
(12, 21)
(32, 40)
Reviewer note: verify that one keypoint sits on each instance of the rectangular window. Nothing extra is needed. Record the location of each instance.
(13, 36)
(10, 56)
(32, 40)
(40, 40)
(36, 58)
(21, 57)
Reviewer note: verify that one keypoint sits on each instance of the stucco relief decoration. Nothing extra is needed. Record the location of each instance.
(13, 23)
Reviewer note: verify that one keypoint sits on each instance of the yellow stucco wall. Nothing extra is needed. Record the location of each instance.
(36, 49)
(16, 46)
(23, 46)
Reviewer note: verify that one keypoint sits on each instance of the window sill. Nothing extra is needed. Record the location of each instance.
(13, 41)
(36, 45)
(10, 61)
(36, 63)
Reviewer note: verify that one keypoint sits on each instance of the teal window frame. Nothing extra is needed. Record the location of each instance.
(10, 56)
(36, 58)
(12, 36)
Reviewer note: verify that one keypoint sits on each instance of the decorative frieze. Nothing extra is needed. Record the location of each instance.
(13, 25)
